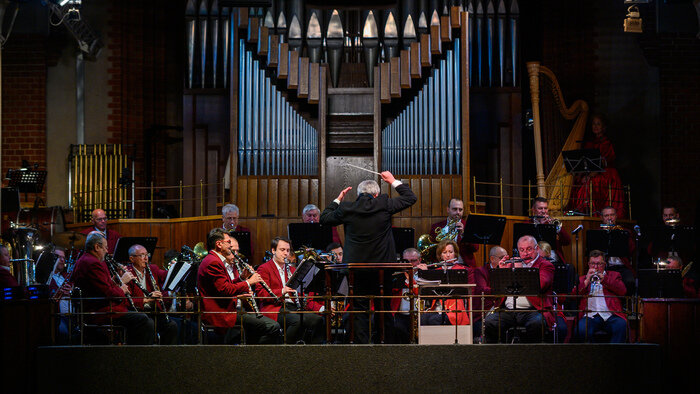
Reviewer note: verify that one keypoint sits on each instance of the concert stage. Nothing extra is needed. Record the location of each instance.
(351, 368)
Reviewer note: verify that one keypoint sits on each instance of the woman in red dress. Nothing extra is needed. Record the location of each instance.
(606, 186)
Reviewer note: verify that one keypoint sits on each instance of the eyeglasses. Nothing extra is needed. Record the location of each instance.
(100, 219)
(146, 255)
(529, 249)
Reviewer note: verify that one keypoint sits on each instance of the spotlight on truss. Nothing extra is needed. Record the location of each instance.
(67, 12)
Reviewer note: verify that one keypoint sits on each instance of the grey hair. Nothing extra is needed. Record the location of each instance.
(133, 248)
(528, 238)
(410, 250)
(229, 208)
(496, 250)
(310, 207)
(93, 239)
(369, 186)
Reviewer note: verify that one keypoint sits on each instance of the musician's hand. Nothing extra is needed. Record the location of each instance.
(125, 289)
(127, 277)
(245, 295)
(589, 274)
(422, 266)
(518, 264)
(343, 193)
(388, 177)
(502, 262)
(245, 274)
(460, 226)
(286, 290)
(156, 294)
(255, 278)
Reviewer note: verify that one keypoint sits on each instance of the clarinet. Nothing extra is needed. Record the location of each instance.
(156, 288)
(289, 274)
(251, 270)
(251, 300)
(116, 278)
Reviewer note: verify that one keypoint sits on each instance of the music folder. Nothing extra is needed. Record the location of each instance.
(313, 235)
(541, 232)
(515, 281)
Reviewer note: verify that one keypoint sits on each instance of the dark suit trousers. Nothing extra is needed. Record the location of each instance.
(499, 322)
(256, 330)
(297, 324)
(139, 328)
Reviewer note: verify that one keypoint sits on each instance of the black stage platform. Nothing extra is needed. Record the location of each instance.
(536, 368)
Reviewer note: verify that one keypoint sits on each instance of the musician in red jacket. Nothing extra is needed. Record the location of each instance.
(455, 212)
(6, 278)
(153, 300)
(602, 306)
(540, 215)
(276, 272)
(220, 295)
(534, 312)
(481, 279)
(93, 277)
(99, 223)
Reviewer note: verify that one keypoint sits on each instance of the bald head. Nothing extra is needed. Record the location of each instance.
(495, 255)
(99, 219)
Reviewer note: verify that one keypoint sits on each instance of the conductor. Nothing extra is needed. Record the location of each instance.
(368, 236)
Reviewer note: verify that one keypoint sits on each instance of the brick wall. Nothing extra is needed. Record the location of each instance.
(140, 37)
(24, 102)
(679, 69)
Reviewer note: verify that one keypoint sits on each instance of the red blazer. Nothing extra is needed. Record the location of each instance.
(112, 238)
(691, 288)
(612, 286)
(93, 278)
(542, 303)
(213, 281)
(466, 250)
(6, 279)
(136, 293)
(268, 271)
(482, 280)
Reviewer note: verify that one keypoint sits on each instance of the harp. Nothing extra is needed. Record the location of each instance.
(557, 186)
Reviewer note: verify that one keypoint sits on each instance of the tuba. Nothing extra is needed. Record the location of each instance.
(426, 245)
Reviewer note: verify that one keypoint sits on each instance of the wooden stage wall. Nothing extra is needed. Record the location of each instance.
(174, 233)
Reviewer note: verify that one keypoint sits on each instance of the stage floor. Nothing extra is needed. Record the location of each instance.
(532, 368)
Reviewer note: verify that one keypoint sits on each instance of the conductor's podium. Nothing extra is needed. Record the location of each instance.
(444, 334)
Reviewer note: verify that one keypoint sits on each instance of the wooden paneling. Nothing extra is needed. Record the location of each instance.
(253, 30)
(395, 75)
(435, 42)
(274, 51)
(454, 17)
(283, 65)
(263, 41)
(303, 77)
(384, 83)
(425, 59)
(445, 29)
(314, 83)
(415, 60)
(405, 66)
(293, 77)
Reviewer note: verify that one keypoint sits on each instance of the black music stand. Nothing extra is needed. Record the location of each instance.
(177, 275)
(314, 235)
(583, 161)
(10, 199)
(541, 232)
(615, 243)
(678, 239)
(484, 230)
(244, 242)
(27, 181)
(515, 282)
(448, 277)
(403, 238)
(121, 250)
(660, 283)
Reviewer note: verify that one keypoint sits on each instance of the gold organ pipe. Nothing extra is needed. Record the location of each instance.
(500, 187)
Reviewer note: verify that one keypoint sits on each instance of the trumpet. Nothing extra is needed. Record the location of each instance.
(597, 277)
(611, 226)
